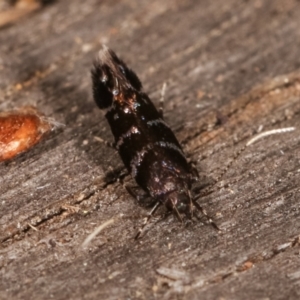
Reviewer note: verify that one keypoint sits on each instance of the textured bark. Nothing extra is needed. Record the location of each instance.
(232, 69)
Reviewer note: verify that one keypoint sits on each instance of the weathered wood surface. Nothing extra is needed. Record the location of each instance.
(232, 67)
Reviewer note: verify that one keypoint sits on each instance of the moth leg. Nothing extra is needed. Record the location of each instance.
(142, 198)
(193, 169)
(177, 214)
(152, 212)
(134, 194)
(162, 100)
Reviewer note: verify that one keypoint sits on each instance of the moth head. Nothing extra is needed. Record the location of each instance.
(180, 202)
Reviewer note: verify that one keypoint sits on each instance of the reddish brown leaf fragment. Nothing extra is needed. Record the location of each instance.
(20, 130)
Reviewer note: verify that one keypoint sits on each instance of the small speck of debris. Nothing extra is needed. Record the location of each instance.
(114, 274)
(282, 247)
(91, 236)
(86, 48)
(270, 132)
(172, 274)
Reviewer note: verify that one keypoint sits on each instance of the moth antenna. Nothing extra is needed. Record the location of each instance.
(162, 100)
(250, 142)
(237, 154)
(224, 171)
(191, 202)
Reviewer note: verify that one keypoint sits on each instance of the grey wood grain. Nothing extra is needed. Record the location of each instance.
(232, 69)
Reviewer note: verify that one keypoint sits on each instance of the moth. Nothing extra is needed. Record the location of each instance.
(146, 144)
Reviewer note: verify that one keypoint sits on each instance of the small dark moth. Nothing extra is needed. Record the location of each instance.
(146, 144)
